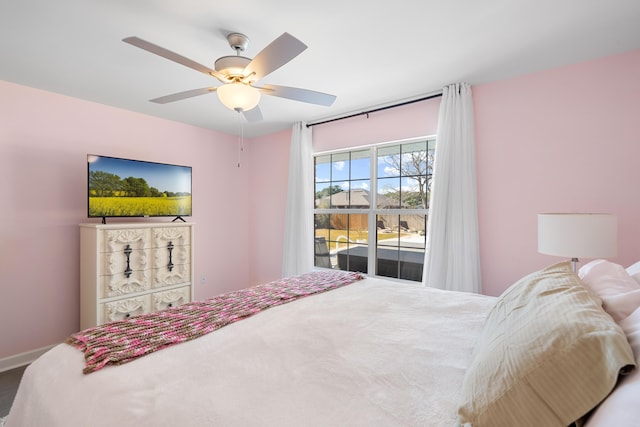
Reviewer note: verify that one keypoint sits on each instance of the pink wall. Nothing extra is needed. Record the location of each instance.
(268, 164)
(561, 140)
(409, 121)
(44, 140)
(567, 140)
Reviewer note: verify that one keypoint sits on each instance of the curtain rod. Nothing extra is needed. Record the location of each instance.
(375, 110)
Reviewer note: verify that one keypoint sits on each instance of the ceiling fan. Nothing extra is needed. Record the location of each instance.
(240, 74)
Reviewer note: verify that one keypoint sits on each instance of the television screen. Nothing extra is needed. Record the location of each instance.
(133, 188)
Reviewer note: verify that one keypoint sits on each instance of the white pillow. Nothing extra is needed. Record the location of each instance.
(619, 292)
(547, 355)
(622, 407)
(634, 271)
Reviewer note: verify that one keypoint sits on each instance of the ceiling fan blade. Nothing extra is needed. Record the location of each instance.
(275, 55)
(172, 56)
(297, 94)
(182, 95)
(253, 115)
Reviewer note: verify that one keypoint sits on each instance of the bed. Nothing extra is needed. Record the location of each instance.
(370, 353)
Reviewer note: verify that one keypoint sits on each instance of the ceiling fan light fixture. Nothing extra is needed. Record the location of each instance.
(231, 66)
(238, 96)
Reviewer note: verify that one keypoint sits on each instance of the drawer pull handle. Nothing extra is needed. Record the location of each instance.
(170, 305)
(170, 247)
(127, 315)
(127, 252)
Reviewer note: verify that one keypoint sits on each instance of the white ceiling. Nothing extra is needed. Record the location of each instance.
(367, 53)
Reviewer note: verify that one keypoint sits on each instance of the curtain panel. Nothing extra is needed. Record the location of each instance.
(298, 232)
(452, 257)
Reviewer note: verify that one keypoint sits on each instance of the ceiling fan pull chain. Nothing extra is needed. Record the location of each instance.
(240, 137)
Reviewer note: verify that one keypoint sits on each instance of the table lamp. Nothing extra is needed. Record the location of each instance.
(578, 235)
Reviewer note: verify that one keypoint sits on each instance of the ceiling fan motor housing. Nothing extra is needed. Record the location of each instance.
(232, 66)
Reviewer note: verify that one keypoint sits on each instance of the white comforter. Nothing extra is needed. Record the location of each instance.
(374, 353)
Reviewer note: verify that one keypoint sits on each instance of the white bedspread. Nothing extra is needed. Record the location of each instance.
(374, 353)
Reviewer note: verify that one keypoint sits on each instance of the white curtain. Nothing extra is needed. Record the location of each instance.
(452, 258)
(298, 232)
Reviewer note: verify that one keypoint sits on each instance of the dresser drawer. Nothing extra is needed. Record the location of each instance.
(119, 240)
(178, 236)
(120, 261)
(180, 273)
(163, 257)
(124, 308)
(113, 285)
(170, 298)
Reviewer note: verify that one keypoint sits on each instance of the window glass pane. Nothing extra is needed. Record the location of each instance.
(322, 195)
(389, 161)
(354, 258)
(351, 243)
(387, 230)
(414, 159)
(412, 229)
(359, 197)
(388, 193)
(387, 262)
(321, 253)
(340, 168)
(360, 162)
(322, 244)
(323, 168)
(338, 229)
(335, 235)
(413, 194)
(358, 229)
(321, 223)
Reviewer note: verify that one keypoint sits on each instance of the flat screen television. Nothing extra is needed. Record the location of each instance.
(133, 188)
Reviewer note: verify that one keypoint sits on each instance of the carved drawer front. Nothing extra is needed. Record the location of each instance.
(119, 240)
(170, 298)
(180, 273)
(125, 261)
(119, 284)
(179, 236)
(124, 308)
(168, 256)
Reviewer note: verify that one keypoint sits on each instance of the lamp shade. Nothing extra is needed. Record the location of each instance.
(578, 235)
(238, 96)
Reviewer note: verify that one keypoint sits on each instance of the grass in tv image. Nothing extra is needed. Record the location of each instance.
(148, 189)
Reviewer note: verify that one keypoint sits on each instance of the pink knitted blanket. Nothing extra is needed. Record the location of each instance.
(122, 341)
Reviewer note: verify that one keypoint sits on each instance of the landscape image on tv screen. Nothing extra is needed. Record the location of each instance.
(133, 188)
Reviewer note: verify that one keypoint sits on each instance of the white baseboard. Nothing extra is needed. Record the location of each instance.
(22, 359)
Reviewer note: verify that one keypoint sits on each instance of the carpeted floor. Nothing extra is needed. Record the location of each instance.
(9, 382)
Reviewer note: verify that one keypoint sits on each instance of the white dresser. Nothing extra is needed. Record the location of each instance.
(128, 269)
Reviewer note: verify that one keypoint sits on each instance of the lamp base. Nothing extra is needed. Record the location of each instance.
(574, 262)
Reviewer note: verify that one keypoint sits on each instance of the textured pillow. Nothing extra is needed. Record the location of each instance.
(547, 355)
(634, 271)
(620, 294)
(622, 407)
